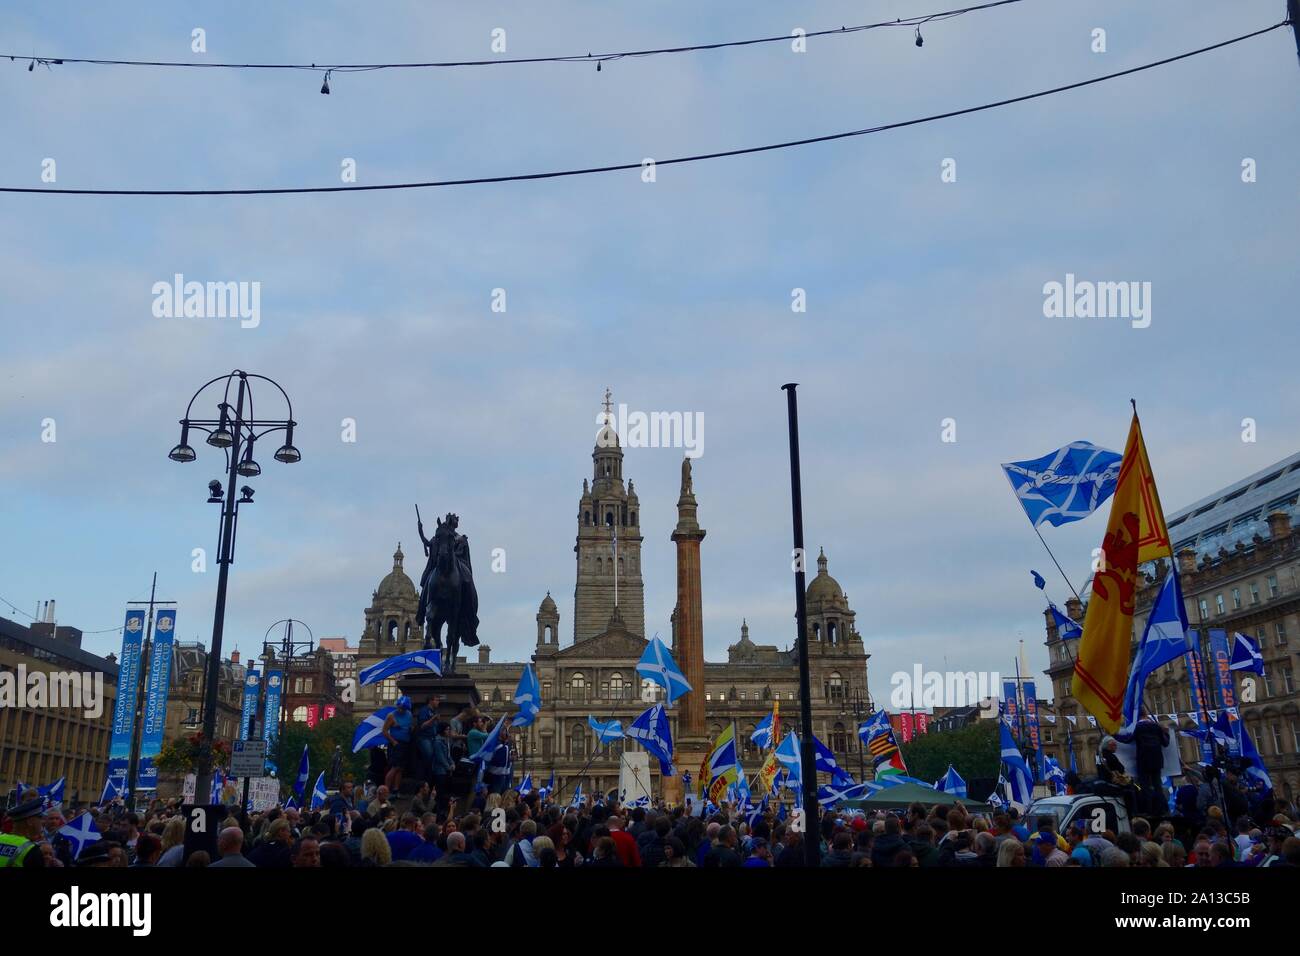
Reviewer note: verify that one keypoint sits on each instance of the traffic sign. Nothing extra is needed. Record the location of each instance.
(247, 758)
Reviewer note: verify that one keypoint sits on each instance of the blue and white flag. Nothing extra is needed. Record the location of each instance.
(788, 752)
(657, 665)
(528, 697)
(111, 792)
(304, 771)
(952, 783)
(652, 731)
(526, 785)
(292, 803)
(754, 814)
(484, 753)
(762, 735)
(218, 784)
(430, 660)
(1163, 640)
(549, 789)
(1066, 484)
(826, 764)
(1055, 774)
(1255, 770)
(1067, 628)
(370, 732)
(606, 732)
(1246, 655)
(894, 779)
(835, 794)
(51, 795)
(80, 831)
(1020, 782)
(577, 795)
(499, 764)
(996, 799)
(318, 793)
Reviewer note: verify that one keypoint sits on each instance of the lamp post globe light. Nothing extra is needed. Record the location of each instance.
(236, 430)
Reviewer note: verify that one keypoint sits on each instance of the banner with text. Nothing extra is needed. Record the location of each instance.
(252, 683)
(1221, 666)
(1199, 691)
(155, 703)
(271, 714)
(128, 677)
(1031, 725)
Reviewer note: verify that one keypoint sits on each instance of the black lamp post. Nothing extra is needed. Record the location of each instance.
(236, 430)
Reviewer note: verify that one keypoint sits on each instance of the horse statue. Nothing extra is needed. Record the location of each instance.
(447, 593)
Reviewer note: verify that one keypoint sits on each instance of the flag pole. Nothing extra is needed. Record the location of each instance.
(1057, 563)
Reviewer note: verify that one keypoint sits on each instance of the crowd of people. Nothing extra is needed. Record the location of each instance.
(370, 828)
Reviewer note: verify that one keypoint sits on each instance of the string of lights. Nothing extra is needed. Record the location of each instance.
(680, 160)
(915, 22)
(19, 610)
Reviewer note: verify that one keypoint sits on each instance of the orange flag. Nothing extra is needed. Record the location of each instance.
(1135, 534)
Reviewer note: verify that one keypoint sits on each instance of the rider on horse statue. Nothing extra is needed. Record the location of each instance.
(447, 590)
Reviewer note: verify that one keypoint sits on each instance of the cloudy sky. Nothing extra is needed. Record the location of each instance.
(924, 299)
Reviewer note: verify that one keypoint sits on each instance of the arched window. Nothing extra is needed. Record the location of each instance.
(548, 634)
(578, 686)
(496, 695)
(300, 714)
(392, 630)
(586, 517)
(616, 686)
(578, 741)
(835, 686)
(406, 634)
(632, 518)
(839, 739)
(831, 630)
(817, 632)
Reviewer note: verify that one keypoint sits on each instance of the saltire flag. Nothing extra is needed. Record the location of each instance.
(499, 764)
(826, 764)
(754, 814)
(526, 785)
(1163, 640)
(1255, 769)
(657, 665)
(762, 735)
(318, 793)
(489, 748)
(781, 811)
(430, 660)
(549, 789)
(878, 736)
(51, 794)
(111, 792)
(996, 799)
(1055, 774)
(370, 732)
(607, 732)
(80, 831)
(767, 773)
(1171, 792)
(837, 793)
(1135, 534)
(218, 783)
(577, 796)
(1038, 579)
(788, 751)
(1020, 781)
(1064, 485)
(896, 779)
(651, 730)
(952, 783)
(742, 786)
(304, 771)
(528, 697)
(1246, 655)
(1066, 627)
(291, 803)
(722, 764)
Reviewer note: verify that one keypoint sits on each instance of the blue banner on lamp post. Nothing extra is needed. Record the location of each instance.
(128, 678)
(156, 689)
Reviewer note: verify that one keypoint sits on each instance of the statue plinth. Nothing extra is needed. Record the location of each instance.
(689, 754)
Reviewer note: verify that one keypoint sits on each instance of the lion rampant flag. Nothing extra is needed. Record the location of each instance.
(1135, 534)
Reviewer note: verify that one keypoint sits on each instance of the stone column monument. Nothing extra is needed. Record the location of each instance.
(692, 743)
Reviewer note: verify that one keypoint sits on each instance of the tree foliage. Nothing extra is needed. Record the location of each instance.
(972, 750)
(321, 741)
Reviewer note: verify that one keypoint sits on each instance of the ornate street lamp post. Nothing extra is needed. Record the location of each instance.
(236, 431)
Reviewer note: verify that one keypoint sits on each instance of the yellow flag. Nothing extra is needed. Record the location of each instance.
(1135, 534)
(767, 773)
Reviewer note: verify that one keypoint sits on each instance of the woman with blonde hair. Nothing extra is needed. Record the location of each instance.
(375, 850)
(1011, 853)
(1152, 854)
(173, 842)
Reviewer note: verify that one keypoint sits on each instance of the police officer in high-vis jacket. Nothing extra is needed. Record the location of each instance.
(19, 848)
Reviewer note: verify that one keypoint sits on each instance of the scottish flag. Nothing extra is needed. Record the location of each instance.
(1055, 774)
(499, 765)
(318, 793)
(894, 779)
(528, 697)
(607, 732)
(1255, 771)
(1163, 640)
(80, 831)
(370, 732)
(762, 735)
(1066, 627)
(526, 785)
(484, 753)
(430, 660)
(835, 794)
(995, 799)
(652, 731)
(51, 795)
(657, 665)
(952, 783)
(1020, 782)
(304, 771)
(577, 796)
(292, 803)
(1066, 484)
(826, 764)
(1246, 655)
(788, 752)
(754, 814)
(111, 792)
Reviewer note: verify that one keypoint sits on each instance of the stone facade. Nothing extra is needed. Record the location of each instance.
(1246, 583)
(596, 674)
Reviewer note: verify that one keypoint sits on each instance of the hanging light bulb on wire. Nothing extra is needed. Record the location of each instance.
(325, 87)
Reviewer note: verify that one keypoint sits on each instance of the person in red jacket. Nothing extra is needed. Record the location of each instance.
(624, 842)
